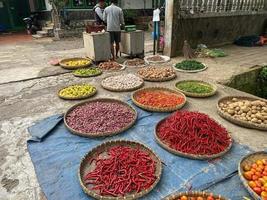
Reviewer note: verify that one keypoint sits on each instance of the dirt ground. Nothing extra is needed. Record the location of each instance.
(28, 92)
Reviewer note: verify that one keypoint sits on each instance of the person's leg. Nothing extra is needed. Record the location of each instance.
(112, 40)
(117, 41)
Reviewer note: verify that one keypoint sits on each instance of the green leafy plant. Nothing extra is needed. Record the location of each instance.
(263, 73)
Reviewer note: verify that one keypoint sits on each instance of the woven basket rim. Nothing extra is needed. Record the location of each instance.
(122, 90)
(158, 79)
(188, 155)
(190, 71)
(128, 143)
(77, 98)
(85, 76)
(240, 171)
(203, 95)
(238, 121)
(154, 109)
(113, 70)
(62, 63)
(166, 59)
(176, 195)
(96, 135)
(133, 66)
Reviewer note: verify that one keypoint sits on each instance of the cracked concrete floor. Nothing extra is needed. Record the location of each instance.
(28, 87)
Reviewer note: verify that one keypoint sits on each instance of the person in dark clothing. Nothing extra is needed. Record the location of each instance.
(99, 9)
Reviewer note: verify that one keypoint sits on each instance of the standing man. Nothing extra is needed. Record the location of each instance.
(113, 16)
(99, 9)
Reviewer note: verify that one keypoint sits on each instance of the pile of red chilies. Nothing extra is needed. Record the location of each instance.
(125, 170)
(193, 133)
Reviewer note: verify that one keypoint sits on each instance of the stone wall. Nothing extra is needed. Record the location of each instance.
(214, 31)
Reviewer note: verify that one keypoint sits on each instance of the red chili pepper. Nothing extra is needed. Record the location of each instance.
(194, 133)
(159, 98)
(124, 170)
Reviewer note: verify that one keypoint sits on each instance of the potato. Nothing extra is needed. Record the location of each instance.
(234, 99)
(254, 120)
(231, 112)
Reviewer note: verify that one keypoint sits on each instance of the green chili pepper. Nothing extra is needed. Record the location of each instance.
(194, 87)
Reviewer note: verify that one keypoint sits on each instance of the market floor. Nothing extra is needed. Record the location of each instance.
(28, 87)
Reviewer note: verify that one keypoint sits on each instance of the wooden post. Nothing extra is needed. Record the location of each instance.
(169, 18)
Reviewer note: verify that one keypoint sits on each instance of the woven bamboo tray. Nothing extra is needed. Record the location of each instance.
(166, 59)
(133, 66)
(76, 98)
(187, 155)
(123, 67)
(238, 121)
(85, 167)
(190, 71)
(158, 79)
(87, 76)
(121, 90)
(63, 65)
(203, 95)
(94, 135)
(177, 195)
(250, 159)
(155, 109)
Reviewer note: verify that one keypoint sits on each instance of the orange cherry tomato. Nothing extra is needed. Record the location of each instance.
(259, 162)
(252, 184)
(259, 169)
(258, 183)
(254, 165)
(265, 178)
(262, 181)
(184, 198)
(264, 173)
(264, 194)
(200, 198)
(246, 167)
(259, 174)
(248, 175)
(210, 198)
(253, 170)
(264, 161)
(255, 177)
(257, 190)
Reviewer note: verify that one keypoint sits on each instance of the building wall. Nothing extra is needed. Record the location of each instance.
(136, 4)
(213, 28)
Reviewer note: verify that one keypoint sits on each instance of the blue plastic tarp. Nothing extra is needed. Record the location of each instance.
(56, 154)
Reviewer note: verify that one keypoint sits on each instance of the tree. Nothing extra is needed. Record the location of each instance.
(57, 6)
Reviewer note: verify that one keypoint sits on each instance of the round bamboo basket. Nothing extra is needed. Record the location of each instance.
(63, 65)
(87, 76)
(134, 66)
(190, 71)
(187, 155)
(155, 109)
(203, 194)
(249, 160)
(203, 95)
(238, 121)
(94, 135)
(76, 98)
(121, 90)
(113, 70)
(165, 59)
(85, 167)
(158, 79)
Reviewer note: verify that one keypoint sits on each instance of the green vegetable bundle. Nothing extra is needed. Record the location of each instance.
(190, 65)
(214, 53)
(87, 72)
(194, 87)
(263, 73)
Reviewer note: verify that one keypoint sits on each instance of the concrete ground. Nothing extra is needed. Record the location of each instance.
(28, 92)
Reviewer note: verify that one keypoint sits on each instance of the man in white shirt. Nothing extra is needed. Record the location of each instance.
(99, 9)
(114, 18)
